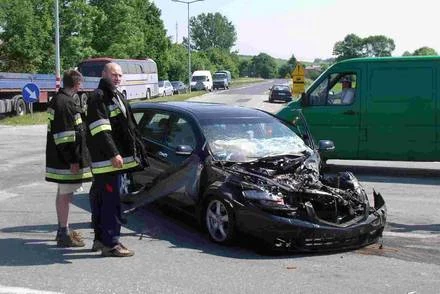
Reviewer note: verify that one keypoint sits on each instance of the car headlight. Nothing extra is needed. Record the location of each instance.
(263, 197)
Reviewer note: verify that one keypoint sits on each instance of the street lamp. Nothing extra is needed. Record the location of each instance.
(189, 40)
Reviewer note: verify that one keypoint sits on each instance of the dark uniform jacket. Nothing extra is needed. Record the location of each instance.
(66, 141)
(112, 131)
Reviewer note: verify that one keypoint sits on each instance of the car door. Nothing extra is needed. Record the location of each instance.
(331, 118)
(171, 173)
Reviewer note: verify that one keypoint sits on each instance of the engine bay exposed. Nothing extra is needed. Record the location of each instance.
(336, 199)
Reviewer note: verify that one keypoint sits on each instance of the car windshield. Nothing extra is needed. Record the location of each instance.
(175, 84)
(160, 83)
(248, 139)
(198, 78)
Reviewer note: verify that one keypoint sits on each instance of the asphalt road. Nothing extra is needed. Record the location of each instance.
(173, 256)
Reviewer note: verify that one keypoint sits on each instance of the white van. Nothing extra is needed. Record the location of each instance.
(201, 80)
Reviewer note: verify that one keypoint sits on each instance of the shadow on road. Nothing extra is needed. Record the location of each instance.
(26, 252)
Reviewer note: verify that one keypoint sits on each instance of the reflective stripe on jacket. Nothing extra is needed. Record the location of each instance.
(66, 141)
(110, 131)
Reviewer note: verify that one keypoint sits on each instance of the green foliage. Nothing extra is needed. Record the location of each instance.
(350, 47)
(223, 60)
(286, 69)
(263, 65)
(88, 28)
(378, 46)
(212, 31)
(178, 63)
(28, 38)
(77, 29)
(353, 46)
(424, 51)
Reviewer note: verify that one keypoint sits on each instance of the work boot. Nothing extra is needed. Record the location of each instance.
(70, 240)
(117, 251)
(97, 245)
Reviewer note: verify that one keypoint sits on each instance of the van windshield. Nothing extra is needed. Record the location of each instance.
(219, 76)
(198, 78)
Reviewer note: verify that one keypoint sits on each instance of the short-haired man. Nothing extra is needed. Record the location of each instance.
(67, 158)
(111, 141)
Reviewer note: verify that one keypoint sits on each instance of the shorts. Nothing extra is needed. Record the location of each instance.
(69, 188)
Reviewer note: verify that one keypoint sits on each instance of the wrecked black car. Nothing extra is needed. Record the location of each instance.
(244, 171)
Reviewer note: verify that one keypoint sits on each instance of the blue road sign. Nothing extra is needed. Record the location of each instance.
(31, 93)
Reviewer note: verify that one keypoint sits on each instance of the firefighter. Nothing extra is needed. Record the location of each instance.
(112, 143)
(67, 157)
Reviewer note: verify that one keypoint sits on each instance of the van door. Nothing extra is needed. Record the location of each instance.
(400, 118)
(333, 112)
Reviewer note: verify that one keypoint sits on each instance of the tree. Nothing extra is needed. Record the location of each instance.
(28, 36)
(77, 29)
(423, 51)
(131, 29)
(223, 60)
(244, 68)
(212, 31)
(378, 46)
(353, 46)
(178, 65)
(264, 65)
(286, 69)
(406, 53)
(350, 47)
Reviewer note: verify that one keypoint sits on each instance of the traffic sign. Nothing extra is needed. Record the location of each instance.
(298, 79)
(31, 93)
(298, 70)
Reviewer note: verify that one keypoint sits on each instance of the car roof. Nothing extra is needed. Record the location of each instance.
(203, 110)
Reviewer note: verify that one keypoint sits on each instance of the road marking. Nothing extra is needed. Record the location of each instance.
(410, 235)
(19, 290)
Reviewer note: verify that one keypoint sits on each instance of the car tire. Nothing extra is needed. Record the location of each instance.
(219, 220)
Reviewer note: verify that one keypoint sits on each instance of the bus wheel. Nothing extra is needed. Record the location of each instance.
(148, 94)
(20, 107)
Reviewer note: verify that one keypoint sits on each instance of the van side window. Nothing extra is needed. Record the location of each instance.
(337, 89)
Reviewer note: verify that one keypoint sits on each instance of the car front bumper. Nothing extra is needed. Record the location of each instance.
(294, 234)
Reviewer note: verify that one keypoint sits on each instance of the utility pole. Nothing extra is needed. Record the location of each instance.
(57, 48)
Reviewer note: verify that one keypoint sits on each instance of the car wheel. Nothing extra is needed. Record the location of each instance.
(219, 220)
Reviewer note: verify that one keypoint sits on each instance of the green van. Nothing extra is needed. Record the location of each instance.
(376, 108)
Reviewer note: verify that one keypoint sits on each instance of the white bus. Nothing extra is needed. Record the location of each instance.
(140, 78)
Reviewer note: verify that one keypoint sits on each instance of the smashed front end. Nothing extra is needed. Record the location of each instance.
(289, 204)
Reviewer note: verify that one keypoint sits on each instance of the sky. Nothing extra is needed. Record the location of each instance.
(310, 28)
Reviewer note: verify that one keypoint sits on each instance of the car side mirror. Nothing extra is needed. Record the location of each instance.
(304, 99)
(326, 146)
(184, 150)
